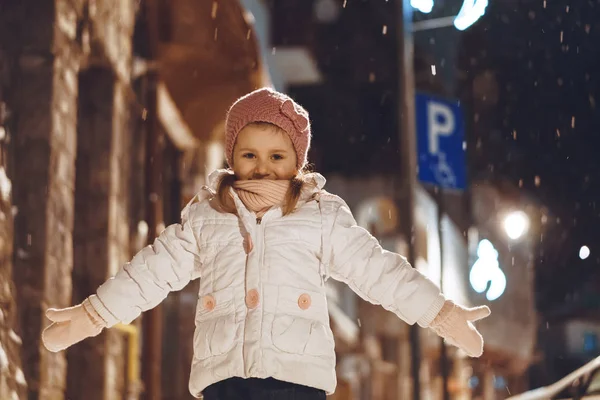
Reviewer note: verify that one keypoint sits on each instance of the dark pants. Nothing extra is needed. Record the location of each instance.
(260, 389)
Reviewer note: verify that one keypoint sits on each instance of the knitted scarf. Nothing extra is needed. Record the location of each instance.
(259, 195)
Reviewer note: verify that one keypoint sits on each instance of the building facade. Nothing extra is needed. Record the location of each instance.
(108, 115)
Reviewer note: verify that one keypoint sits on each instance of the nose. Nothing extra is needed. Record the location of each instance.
(261, 168)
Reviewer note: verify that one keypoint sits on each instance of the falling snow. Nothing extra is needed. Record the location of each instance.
(544, 122)
(215, 7)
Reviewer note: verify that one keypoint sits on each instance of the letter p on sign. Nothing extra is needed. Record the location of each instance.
(441, 123)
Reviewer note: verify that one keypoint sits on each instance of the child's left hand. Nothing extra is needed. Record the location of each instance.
(454, 323)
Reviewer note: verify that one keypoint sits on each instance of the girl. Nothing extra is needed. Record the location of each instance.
(263, 241)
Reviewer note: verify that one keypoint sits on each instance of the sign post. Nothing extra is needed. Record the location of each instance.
(405, 190)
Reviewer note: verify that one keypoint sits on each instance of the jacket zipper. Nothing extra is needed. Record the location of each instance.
(260, 243)
(261, 259)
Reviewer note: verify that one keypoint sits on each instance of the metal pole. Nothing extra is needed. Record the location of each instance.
(443, 349)
(152, 320)
(408, 149)
(435, 23)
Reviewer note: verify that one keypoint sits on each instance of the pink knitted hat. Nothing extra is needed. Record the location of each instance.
(268, 105)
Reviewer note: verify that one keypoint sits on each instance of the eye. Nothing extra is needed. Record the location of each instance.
(248, 155)
(277, 157)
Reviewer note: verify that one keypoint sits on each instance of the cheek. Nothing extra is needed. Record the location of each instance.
(241, 167)
(286, 171)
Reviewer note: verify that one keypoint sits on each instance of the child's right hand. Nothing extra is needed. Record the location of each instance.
(71, 325)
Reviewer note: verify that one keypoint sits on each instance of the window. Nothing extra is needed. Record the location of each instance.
(590, 342)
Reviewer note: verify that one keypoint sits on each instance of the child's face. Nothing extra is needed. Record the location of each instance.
(263, 152)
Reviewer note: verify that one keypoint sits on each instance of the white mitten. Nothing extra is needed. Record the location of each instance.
(455, 324)
(71, 325)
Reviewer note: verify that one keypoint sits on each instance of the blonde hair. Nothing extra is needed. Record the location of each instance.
(297, 184)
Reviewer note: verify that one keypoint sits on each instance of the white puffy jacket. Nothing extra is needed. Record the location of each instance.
(264, 314)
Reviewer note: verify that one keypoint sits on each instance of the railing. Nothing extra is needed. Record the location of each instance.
(134, 383)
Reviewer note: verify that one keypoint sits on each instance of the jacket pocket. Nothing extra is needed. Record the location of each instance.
(301, 329)
(215, 324)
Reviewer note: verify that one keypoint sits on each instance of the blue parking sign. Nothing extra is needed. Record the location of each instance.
(441, 142)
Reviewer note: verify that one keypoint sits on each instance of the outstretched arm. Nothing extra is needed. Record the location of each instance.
(386, 278)
(165, 266)
(380, 276)
(141, 284)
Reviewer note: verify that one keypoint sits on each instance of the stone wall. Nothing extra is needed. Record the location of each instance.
(52, 42)
(12, 380)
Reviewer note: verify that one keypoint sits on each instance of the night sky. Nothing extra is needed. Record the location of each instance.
(542, 128)
(527, 75)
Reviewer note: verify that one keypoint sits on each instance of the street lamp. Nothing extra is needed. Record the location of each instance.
(584, 252)
(516, 224)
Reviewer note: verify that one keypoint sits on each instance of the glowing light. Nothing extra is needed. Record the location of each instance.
(469, 13)
(425, 6)
(584, 252)
(486, 275)
(516, 224)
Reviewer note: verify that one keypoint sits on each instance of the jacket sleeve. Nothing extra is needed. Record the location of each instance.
(377, 275)
(141, 284)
